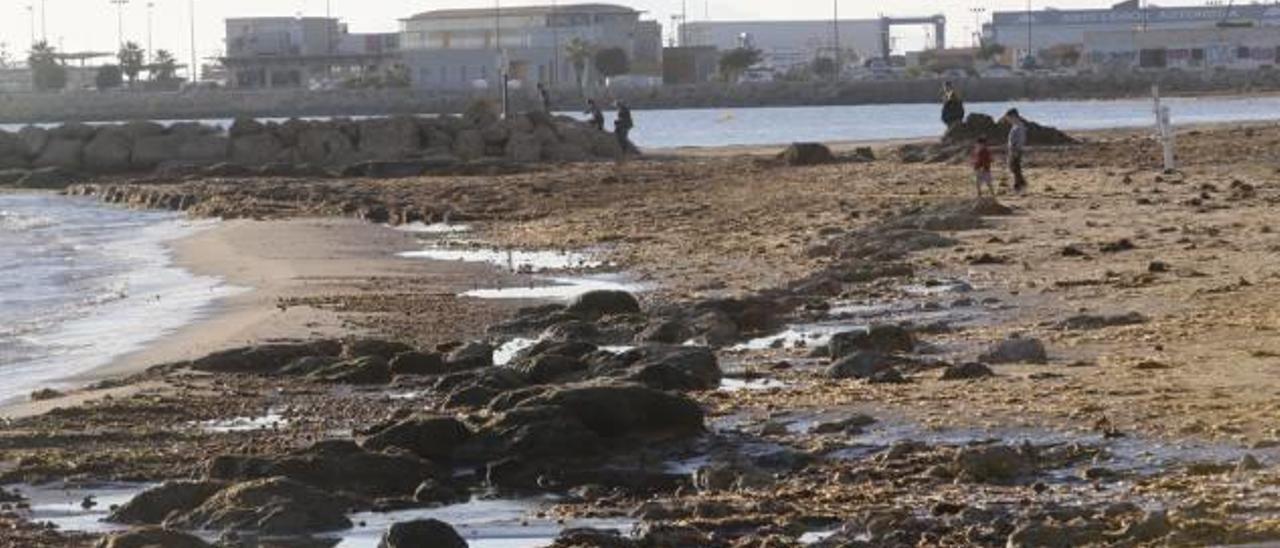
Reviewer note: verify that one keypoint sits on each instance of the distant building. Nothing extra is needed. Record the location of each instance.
(1184, 49)
(272, 52)
(689, 65)
(1021, 32)
(466, 48)
(787, 44)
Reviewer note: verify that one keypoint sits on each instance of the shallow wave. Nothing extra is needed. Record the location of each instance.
(13, 221)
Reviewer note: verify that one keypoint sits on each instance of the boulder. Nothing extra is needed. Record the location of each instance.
(433, 438)
(885, 339)
(359, 348)
(807, 154)
(424, 533)
(151, 151)
(362, 370)
(35, 139)
(999, 464)
(271, 506)
(60, 152)
(981, 125)
(861, 365)
(469, 145)
(1016, 350)
(473, 355)
(623, 410)
(418, 363)
(551, 368)
(334, 465)
(110, 150)
(244, 126)
(255, 149)
(73, 131)
(49, 178)
(13, 151)
(152, 506)
(597, 304)
(675, 367)
(189, 130)
(151, 537)
(389, 138)
(204, 149)
(524, 147)
(325, 146)
(265, 358)
(593, 538)
(138, 129)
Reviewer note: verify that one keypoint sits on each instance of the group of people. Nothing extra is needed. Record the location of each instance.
(953, 112)
(622, 125)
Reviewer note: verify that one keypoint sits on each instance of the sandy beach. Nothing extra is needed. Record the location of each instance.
(1091, 363)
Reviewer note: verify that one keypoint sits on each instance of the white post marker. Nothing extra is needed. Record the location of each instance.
(1164, 131)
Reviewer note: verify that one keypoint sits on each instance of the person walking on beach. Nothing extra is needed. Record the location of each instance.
(1017, 146)
(622, 129)
(597, 115)
(982, 166)
(545, 96)
(952, 106)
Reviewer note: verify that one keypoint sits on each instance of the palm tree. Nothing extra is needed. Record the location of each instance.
(164, 67)
(579, 52)
(132, 59)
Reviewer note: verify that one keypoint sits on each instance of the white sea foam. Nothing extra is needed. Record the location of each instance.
(509, 260)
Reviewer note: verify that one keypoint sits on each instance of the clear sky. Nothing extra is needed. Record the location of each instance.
(92, 24)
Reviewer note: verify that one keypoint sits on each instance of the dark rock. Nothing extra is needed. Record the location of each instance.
(618, 410)
(152, 506)
(885, 339)
(807, 154)
(598, 304)
(432, 438)
(981, 125)
(364, 370)
(110, 150)
(862, 365)
(337, 465)
(12, 176)
(386, 350)
(888, 376)
(540, 431)
(418, 363)
(307, 365)
(1016, 350)
(266, 358)
(435, 492)
(550, 368)
(151, 537)
(998, 464)
(426, 533)
(471, 395)
(593, 538)
(1087, 322)
(272, 506)
(1118, 246)
(49, 178)
(967, 371)
(669, 367)
(665, 332)
(473, 355)
(656, 534)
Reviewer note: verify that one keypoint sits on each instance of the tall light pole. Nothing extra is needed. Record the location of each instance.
(977, 25)
(503, 64)
(195, 72)
(150, 52)
(120, 20)
(31, 11)
(44, 20)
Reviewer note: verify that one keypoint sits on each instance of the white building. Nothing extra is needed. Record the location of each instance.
(301, 51)
(1020, 31)
(786, 44)
(461, 48)
(1184, 49)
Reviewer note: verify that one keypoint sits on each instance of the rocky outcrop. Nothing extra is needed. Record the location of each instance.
(154, 505)
(981, 125)
(393, 147)
(421, 534)
(428, 437)
(151, 537)
(272, 506)
(334, 466)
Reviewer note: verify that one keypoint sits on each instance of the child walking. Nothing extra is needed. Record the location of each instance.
(982, 166)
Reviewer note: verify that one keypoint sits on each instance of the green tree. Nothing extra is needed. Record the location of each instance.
(579, 52)
(164, 67)
(132, 60)
(734, 62)
(47, 72)
(108, 77)
(612, 62)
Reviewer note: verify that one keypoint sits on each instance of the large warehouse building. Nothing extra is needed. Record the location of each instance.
(1036, 31)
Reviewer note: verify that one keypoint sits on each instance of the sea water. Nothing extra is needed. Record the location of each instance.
(82, 283)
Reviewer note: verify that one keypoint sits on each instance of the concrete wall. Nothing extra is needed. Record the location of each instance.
(92, 106)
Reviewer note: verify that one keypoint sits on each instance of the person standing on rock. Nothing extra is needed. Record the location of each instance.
(622, 129)
(545, 96)
(952, 106)
(1017, 146)
(597, 115)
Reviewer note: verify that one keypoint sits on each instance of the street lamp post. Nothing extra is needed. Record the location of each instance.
(977, 25)
(503, 64)
(151, 56)
(31, 11)
(120, 20)
(194, 70)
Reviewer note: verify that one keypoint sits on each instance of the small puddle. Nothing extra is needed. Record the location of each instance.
(273, 420)
(484, 523)
(64, 506)
(516, 261)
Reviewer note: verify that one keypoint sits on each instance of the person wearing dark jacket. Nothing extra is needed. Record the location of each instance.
(622, 129)
(597, 115)
(952, 106)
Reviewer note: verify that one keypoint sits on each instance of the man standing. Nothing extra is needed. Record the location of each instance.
(952, 106)
(1017, 145)
(597, 115)
(622, 129)
(545, 96)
